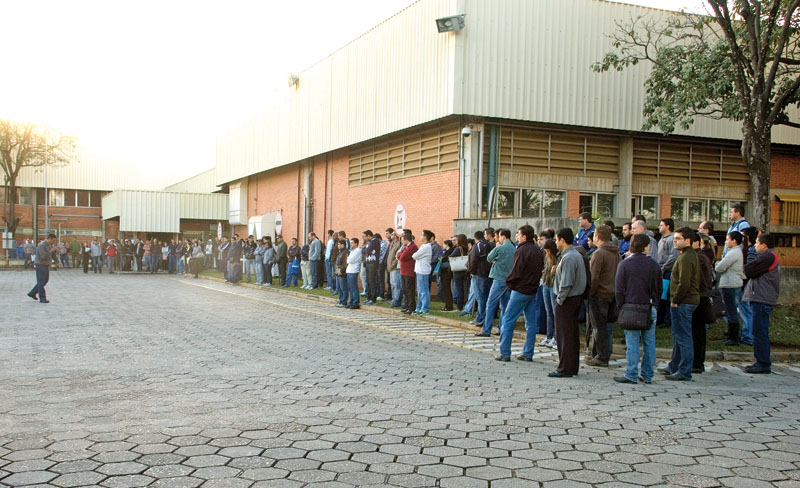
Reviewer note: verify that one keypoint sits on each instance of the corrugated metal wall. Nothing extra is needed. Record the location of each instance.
(203, 206)
(204, 182)
(398, 75)
(149, 211)
(530, 60)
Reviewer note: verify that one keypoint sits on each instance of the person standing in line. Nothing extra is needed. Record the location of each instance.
(625, 243)
(548, 295)
(392, 266)
(761, 292)
(42, 260)
(586, 224)
(738, 223)
(446, 275)
(97, 254)
(749, 242)
(155, 256)
(522, 281)
(603, 268)
(407, 265)
(267, 261)
(501, 258)
(730, 270)
(353, 269)
(422, 269)
(569, 285)
(685, 296)
(638, 282)
(292, 254)
(341, 273)
(249, 253)
(63, 254)
(699, 325)
(314, 257)
(282, 257)
(330, 244)
(479, 269)
(111, 256)
(372, 251)
(639, 227)
(75, 252)
(29, 248)
(305, 266)
(259, 261)
(459, 277)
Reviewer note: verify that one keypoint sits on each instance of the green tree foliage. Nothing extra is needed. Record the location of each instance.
(29, 146)
(741, 62)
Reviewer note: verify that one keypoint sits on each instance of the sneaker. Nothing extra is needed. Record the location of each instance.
(757, 370)
(677, 377)
(596, 362)
(624, 379)
(522, 357)
(544, 342)
(380, 299)
(552, 344)
(664, 371)
(504, 359)
(642, 378)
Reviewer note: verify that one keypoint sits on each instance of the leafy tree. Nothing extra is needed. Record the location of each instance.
(741, 62)
(28, 146)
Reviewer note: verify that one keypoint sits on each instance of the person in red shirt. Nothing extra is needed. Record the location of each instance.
(404, 256)
(111, 256)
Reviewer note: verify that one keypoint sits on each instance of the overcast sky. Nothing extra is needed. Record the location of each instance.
(155, 81)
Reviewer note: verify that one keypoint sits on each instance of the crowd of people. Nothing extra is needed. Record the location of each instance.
(553, 279)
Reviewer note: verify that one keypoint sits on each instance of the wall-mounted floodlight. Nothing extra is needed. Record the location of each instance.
(454, 23)
(293, 79)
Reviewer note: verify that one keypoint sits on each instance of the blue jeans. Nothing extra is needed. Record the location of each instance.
(342, 288)
(328, 273)
(249, 268)
(518, 304)
(352, 288)
(747, 323)
(647, 338)
(42, 277)
(172, 263)
(682, 349)
(397, 287)
(314, 272)
(423, 293)
(549, 307)
(480, 289)
(291, 279)
(97, 266)
(498, 296)
(180, 266)
(259, 269)
(761, 312)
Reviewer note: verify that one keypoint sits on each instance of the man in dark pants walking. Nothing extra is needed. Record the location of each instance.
(41, 262)
(569, 284)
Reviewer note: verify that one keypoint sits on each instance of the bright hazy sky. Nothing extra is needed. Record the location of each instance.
(155, 81)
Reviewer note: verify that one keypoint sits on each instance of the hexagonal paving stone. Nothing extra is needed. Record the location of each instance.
(81, 478)
(116, 456)
(215, 472)
(116, 469)
(188, 440)
(32, 465)
(206, 461)
(539, 474)
(159, 459)
(328, 455)
(127, 481)
(357, 446)
(169, 471)
(240, 451)
(258, 474)
(179, 482)
(227, 483)
(463, 483)
(29, 478)
(391, 468)
(343, 466)
(312, 476)
(362, 478)
(283, 453)
(27, 454)
(464, 461)
(75, 466)
(199, 450)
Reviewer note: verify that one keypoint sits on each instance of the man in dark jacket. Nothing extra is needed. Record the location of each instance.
(42, 259)
(479, 269)
(372, 254)
(764, 273)
(234, 253)
(603, 267)
(523, 281)
(684, 288)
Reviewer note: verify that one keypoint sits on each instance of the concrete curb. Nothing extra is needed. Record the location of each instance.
(619, 349)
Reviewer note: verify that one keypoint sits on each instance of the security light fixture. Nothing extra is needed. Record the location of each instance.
(293, 79)
(453, 23)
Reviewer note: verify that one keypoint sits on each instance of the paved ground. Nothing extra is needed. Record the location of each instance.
(164, 381)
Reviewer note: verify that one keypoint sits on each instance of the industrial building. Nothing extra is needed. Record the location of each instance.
(409, 125)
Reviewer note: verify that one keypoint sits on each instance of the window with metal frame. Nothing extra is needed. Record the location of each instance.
(688, 161)
(646, 205)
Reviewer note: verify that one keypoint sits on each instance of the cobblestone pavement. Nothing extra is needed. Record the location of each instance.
(164, 381)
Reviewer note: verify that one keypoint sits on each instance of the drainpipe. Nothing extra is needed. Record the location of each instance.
(309, 200)
(491, 181)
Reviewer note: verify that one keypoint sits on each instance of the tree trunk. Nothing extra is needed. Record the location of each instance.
(11, 220)
(756, 152)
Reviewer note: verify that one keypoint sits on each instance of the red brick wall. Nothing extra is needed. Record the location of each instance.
(89, 218)
(276, 190)
(775, 213)
(666, 206)
(573, 203)
(785, 171)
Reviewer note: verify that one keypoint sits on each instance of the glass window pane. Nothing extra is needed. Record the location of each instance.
(697, 210)
(69, 198)
(57, 198)
(553, 204)
(40, 196)
(3, 195)
(649, 207)
(531, 203)
(484, 202)
(83, 198)
(25, 196)
(506, 200)
(678, 209)
(718, 210)
(634, 206)
(96, 199)
(605, 205)
(586, 204)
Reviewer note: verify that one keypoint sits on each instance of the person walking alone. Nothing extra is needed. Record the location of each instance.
(42, 260)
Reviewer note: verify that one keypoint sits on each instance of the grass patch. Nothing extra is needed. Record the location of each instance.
(784, 330)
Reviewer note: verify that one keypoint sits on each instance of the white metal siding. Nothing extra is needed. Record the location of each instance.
(204, 182)
(530, 60)
(203, 206)
(149, 211)
(111, 205)
(398, 75)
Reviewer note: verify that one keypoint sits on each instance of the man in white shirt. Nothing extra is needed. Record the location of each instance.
(353, 268)
(422, 268)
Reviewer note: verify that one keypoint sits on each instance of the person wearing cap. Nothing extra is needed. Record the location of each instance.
(705, 258)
